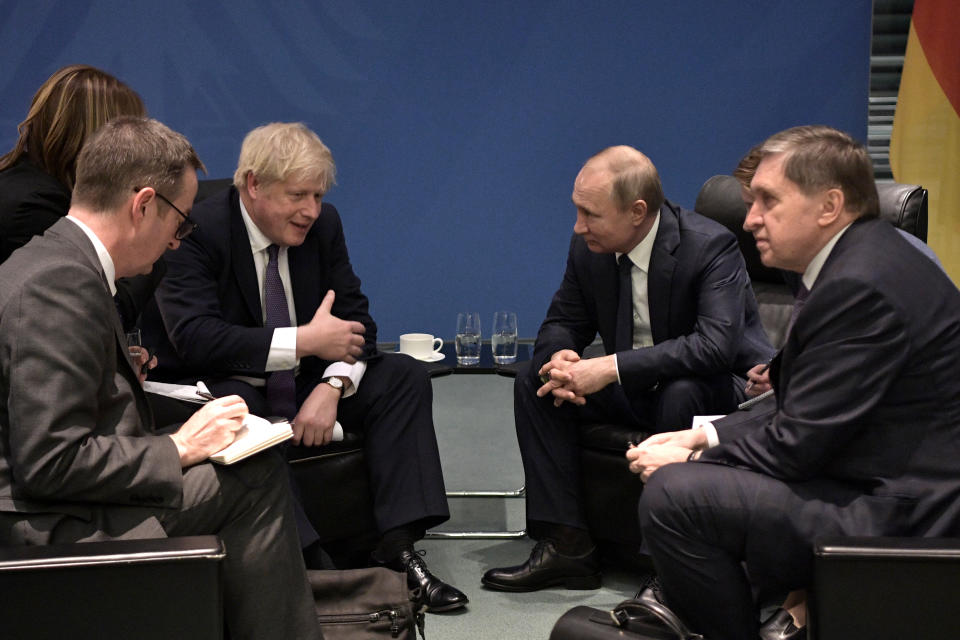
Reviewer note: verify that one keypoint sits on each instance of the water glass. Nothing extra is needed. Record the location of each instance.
(468, 338)
(503, 338)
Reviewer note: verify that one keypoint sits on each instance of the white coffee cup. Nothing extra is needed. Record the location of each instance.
(420, 345)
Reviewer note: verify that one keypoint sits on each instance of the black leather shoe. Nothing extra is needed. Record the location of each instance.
(437, 594)
(547, 568)
(780, 626)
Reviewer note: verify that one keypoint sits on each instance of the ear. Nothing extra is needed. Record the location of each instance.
(638, 212)
(253, 185)
(831, 207)
(139, 202)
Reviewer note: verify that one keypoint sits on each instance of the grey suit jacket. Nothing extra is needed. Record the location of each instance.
(76, 433)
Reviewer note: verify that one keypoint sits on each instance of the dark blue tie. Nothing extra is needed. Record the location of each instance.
(798, 302)
(624, 336)
(281, 386)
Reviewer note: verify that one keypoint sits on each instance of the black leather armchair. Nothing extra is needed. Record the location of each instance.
(885, 588)
(612, 491)
(146, 589)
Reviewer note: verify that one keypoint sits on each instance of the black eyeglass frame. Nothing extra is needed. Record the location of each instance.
(186, 227)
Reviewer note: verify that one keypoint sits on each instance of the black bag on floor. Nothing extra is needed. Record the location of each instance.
(357, 604)
(631, 619)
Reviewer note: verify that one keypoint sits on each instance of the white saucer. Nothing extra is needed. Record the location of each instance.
(435, 357)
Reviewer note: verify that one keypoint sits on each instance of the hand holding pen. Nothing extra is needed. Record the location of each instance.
(758, 380)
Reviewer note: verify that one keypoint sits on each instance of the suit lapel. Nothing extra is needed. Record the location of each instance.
(662, 266)
(305, 277)
(73, 234)
(242, 257)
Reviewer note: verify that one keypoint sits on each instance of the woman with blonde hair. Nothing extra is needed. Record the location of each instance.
(36, 176)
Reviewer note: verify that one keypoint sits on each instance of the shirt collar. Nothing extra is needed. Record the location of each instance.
(813, 269)
(640, 254)
(102, 254)
(258, 241)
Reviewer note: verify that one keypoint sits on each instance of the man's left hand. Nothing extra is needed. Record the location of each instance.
(313, 426)
(647, 459)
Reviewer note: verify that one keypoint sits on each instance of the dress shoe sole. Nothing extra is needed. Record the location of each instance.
(447, 607)
(574, 583)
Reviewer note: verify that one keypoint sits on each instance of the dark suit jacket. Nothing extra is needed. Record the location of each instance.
(75, 429)
(31, 200)
(210, 300)
(868, 391)
(703, 314)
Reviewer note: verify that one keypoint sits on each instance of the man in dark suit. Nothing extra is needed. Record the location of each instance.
(863, 438)
(80, 459)
(254, 304)
(668, 292)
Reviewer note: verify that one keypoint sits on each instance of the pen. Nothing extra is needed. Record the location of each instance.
(203, 392)
(759, 373)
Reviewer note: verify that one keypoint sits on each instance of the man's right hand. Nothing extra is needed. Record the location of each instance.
(328, 337)
(210, 429)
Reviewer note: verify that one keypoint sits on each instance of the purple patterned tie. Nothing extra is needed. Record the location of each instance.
(281, 387)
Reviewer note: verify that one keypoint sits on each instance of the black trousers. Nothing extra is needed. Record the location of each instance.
(721, 536)
(393, 409)
(549, 436)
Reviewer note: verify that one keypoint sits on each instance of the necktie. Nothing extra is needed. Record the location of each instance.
(798, 303)
(624, 335)
(281, 386)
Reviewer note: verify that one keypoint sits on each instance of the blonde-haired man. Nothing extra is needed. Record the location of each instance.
(263, 302)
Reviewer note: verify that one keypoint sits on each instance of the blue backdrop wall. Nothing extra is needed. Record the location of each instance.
(458, 127)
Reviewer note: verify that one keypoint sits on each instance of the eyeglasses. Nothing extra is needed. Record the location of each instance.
(186, 227)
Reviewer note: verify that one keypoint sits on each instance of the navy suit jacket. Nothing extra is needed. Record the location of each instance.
(868, 392)
(210, 299)
(703, 313)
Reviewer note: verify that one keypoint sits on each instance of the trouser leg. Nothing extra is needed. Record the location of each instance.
(703, 522)
(248, 505)
(549, 448)
(394, 409)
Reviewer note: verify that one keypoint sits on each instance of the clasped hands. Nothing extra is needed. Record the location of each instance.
(570, 379)
(664, 448)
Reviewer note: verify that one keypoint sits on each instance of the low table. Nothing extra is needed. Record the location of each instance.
(486, 366)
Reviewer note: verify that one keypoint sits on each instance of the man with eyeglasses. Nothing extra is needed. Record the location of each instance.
(80, 457)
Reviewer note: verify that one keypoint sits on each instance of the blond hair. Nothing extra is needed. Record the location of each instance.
(280, 151)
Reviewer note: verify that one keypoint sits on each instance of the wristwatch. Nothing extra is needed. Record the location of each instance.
(334, 382)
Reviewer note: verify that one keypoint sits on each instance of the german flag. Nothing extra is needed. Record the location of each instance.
(925, 144)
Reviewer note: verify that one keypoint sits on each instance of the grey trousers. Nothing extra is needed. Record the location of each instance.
(248, 505)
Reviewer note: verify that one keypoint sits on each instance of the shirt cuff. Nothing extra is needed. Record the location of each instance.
(353, 372)
(710, 431)
(283, 350)
(616, 365)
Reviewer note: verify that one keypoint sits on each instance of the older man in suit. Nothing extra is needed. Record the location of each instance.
(863, 438)
(254, 304)
(80, 459)
(668, 292)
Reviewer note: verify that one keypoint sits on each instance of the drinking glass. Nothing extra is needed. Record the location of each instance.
(503, 337)
(468, 337)
(134, 343)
